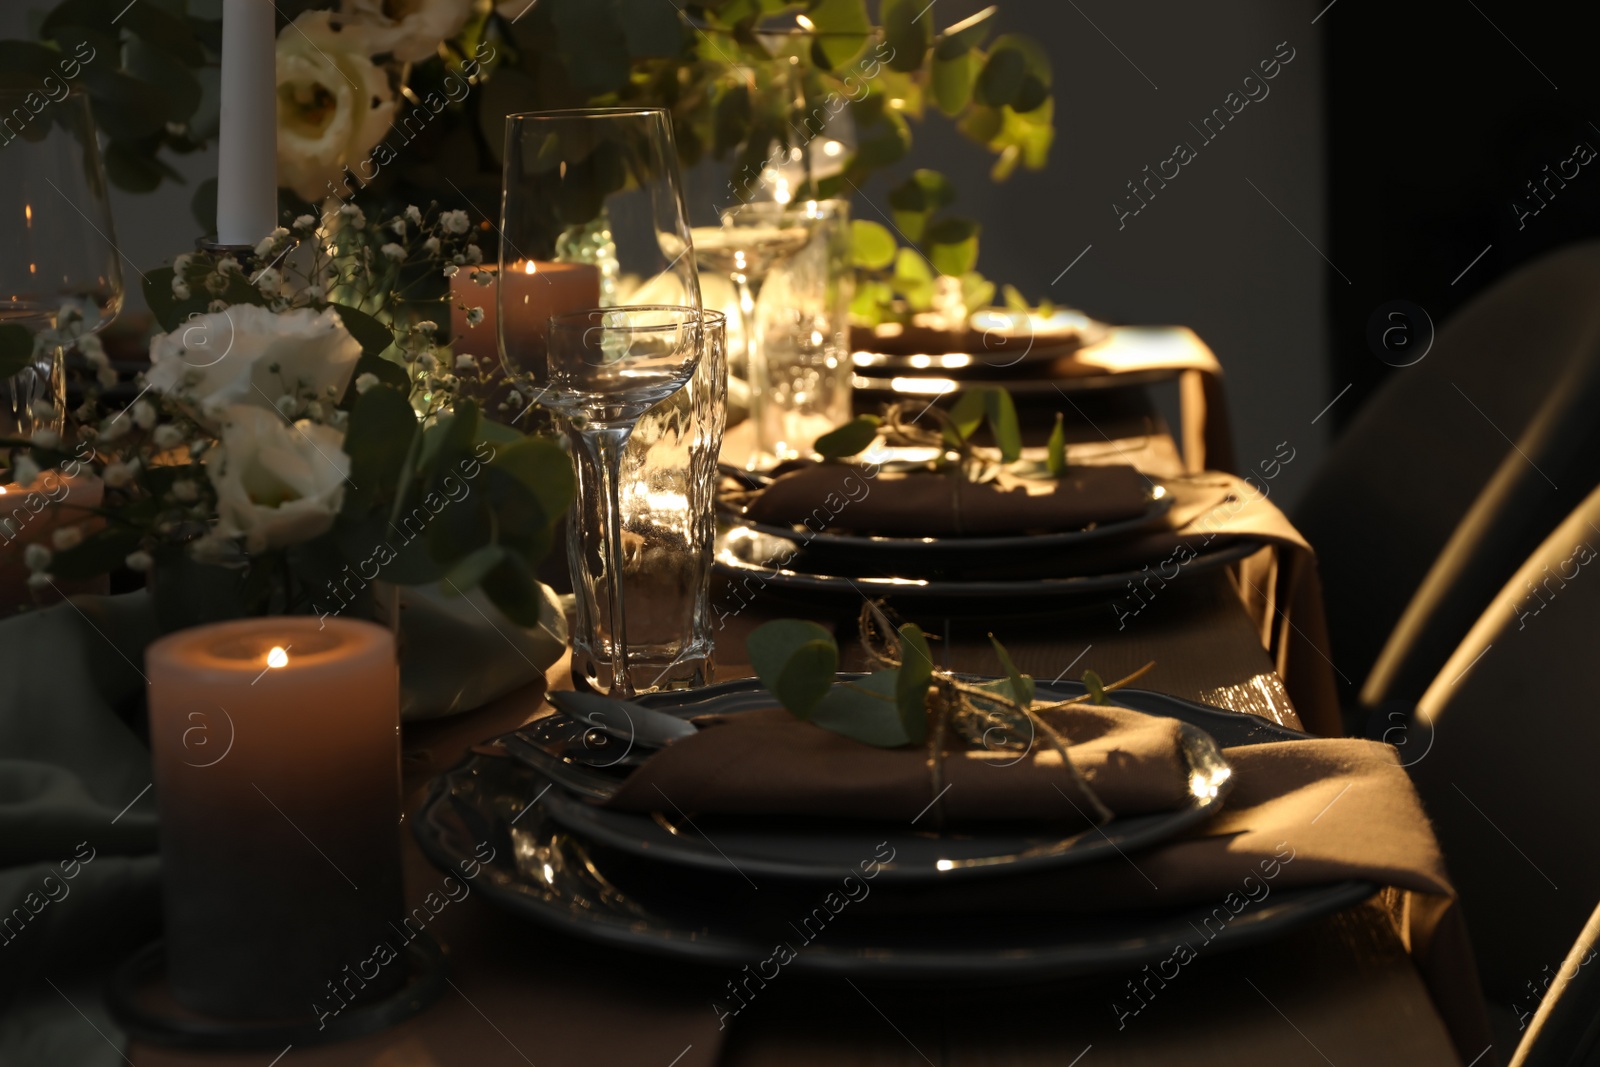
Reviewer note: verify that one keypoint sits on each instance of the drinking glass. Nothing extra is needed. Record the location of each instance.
(751, 240)
(592, 214)
(594, 198)
(804, 314)
(59, 269)
(607, 367)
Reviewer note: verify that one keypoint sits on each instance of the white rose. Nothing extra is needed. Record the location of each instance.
(333, 104)
(410, 30)
(248, 355)
(276, 484)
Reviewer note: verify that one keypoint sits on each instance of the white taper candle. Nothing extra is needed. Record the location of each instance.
(247, 164)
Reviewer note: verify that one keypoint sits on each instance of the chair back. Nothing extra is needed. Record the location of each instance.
(1455, 470)
(1505, 750)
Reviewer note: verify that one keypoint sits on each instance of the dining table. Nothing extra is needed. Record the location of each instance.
(1341, 990)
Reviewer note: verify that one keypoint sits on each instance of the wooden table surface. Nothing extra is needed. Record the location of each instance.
(1339, 991)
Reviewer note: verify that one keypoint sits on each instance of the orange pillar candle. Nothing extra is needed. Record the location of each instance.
(276, 744)
(534, 291)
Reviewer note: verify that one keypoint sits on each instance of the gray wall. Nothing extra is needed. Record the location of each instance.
(1208, 251)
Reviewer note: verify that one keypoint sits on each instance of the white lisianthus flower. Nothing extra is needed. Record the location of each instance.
(333, 104)
(248, 355)
(455, 222)
(410, 30)
(276, 484)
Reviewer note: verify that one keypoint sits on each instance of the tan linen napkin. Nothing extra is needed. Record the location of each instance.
(851, 498)
(1207, 434)
(770, 763)
(1280, 587)
(1301, 813)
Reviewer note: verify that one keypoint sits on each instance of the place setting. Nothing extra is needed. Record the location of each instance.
(527, 537)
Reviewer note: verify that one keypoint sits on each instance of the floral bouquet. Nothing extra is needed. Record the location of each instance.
(303, 439)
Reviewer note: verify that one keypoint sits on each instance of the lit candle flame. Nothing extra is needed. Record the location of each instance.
(277, 658)
(529, 268)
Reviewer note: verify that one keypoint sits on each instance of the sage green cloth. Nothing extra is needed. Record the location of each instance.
(74, 778)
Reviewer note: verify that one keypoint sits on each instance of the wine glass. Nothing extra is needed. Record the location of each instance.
(607, 367)
(751, 240)
(60, 274)
(592, 215)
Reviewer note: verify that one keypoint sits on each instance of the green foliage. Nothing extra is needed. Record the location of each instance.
(848, 440)
(1096, 688)
(911, 684)
(796, 661)
(989, 404)
(1056, 449)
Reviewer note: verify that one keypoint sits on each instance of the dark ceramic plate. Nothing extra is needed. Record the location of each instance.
(828, 850)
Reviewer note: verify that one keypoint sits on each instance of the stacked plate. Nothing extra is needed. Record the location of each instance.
(893, 902)
(952, 574)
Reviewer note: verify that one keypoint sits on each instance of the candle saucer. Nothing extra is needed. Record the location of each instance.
(142, 1004)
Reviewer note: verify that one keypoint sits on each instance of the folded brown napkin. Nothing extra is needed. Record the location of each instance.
(846, 497)
(770, 763)
(1301, 813)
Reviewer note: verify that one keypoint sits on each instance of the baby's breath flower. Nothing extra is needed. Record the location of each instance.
(398, 225)
(37, 557)
(394, 251)
(474, 316)
(106, 376)
(144, 414)
(365, 382)
(474, 254)
(431, 246)
(118, 475)
(185, 490)
(180, 288)
(451, 270)
(483, 277)
(140, 561)
(465, 364)
(25, 470)
(427, 326)
(66, 537)
(414, 213)
(357, 217)
(167, 436)
(455, 222)
(305, 223)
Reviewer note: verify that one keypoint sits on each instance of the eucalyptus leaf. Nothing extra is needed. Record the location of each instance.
(1002, 414)
(514, 589)
(911, 685)
(472, 568)
(952, 81)
(1056, 449)
(967, 412)
(865, 711)
(872, 246)
(378, 439)
(1021, 684)
(953, 245)
(851, 439)
(1001, 78)
(842, 30)
(1096, 688)
(913, 278)
(796, 660)
(541, 467)
(908, 31)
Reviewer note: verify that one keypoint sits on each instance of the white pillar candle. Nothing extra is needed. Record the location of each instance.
(247, 151)
(276, 744)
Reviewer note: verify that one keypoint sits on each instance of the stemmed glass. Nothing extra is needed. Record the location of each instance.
(59, 270)
(607, 367)
(751, 240)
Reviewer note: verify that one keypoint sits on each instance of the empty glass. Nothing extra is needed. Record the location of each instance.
(640, 548)
(804, 315)
(751, 240)
(59, 266)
